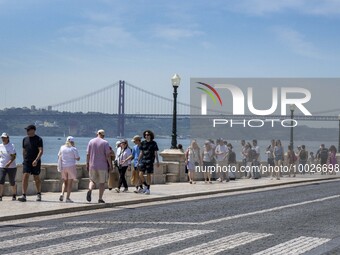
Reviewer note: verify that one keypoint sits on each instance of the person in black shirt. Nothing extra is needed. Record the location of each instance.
(32, 150)
(148, 154)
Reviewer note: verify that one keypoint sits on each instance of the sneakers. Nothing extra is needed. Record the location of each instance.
(141, 190)
(101, 201)
(22, 198)
(125, 190)
(147, 192)
(219, 180)
(117, 190)
(68, 200)
(88, 196)
(14, 197)
(61, 198)
(38, 197)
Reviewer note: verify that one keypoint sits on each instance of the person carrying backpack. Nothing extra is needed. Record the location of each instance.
(303, 157)
(323, 155)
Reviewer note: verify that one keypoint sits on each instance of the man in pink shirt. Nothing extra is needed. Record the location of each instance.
(98, 163)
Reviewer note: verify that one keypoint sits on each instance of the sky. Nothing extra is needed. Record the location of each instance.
(55, 50)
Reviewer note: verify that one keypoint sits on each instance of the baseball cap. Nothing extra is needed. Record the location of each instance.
(29, 127)
(136, 137)
(101, 131)
(117, 143)
(4, 135)
(123, 141)
(70, 139)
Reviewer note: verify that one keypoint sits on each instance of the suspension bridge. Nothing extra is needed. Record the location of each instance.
(126, 100)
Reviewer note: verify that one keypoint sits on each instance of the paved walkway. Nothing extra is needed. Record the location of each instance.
(51, 205)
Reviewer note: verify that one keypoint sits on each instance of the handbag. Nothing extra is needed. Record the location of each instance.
(115, 163)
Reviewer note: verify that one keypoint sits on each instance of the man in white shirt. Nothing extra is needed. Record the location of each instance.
(256, 159)
(221, 152)
(7, 165)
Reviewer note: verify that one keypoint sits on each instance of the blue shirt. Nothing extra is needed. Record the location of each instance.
(135, 155)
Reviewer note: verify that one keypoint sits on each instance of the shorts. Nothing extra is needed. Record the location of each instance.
(146, 168)
(271, 162)
(278, 157)
(191, 167)
(11, 175)
(69, 173)
(98, 176)
(29, 169)
(208, 166)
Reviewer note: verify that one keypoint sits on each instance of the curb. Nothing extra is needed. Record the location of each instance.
(155, 199)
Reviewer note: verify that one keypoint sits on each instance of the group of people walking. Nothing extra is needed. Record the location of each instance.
(32, 150)
(220, 155)
(213, 156)
(101, 160)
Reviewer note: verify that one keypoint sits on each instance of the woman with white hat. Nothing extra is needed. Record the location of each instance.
(67, 157)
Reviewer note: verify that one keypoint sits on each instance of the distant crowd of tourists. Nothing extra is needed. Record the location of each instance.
(219, 155)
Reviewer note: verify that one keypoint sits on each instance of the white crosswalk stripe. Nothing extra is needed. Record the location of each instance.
(143, 245)
(20, 231)
(90, 241)
(106, 242)
(44, 237)
(222, 244)
(295, 246)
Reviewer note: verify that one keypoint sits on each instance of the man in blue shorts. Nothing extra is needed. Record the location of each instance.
(148, 154)
(32, 151)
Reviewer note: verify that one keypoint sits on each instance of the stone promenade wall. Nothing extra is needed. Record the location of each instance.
(171, 169)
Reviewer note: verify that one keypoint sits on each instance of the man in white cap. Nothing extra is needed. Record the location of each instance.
(135, 180)
(98, 162)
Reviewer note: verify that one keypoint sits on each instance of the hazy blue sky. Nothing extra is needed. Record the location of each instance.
(54, 50)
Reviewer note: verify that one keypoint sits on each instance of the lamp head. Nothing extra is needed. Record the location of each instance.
(175, 80)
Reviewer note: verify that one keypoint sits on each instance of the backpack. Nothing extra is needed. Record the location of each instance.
(324, 154)
(303, 155)
(252, 154)
(232, 157)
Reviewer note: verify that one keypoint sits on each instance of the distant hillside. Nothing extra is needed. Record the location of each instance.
(53, 123)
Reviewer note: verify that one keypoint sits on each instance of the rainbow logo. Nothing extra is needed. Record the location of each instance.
(210, 92)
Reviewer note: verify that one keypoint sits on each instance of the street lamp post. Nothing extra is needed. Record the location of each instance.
(175, 80)
(339, 135)
(292, 108)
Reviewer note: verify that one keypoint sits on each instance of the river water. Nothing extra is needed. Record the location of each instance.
(52, 145)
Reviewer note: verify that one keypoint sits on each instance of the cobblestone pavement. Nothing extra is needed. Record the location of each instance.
(289, 220)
